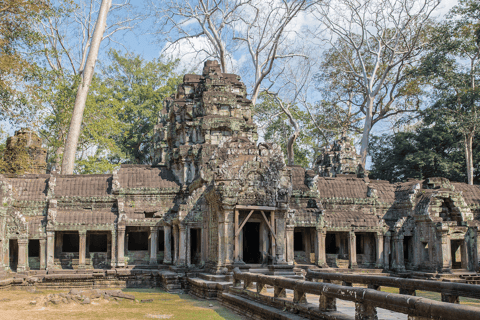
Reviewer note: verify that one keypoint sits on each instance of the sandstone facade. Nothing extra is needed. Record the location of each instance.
(217, 199)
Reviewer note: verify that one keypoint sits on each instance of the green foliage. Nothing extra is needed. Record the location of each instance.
(433, 149)
(136, 89)
(18, 37)
(277, 128)
(121, 110)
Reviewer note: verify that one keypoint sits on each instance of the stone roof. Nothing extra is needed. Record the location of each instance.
(30, 187)
(385, 190)
(298, 178)
(471, 193)
(146, 176)
(342, 187)
(92, 185)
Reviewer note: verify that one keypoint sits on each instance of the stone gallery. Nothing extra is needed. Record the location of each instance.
(217, 199)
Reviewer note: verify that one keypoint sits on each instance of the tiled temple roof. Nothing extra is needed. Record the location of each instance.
(92, 185)
(298, 178)
(146, 176)
(29, 187)
(342, 187)
(471, 193)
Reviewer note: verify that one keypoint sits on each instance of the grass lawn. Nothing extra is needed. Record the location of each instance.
(15, 304)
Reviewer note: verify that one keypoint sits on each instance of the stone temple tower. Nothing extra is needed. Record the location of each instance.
(207, 110)
(24, 153)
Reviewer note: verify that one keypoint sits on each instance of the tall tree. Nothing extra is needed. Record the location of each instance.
(82, 92)
(451, 66)
(67, 38)
(433, 148)
(138, 88)
(375, 40)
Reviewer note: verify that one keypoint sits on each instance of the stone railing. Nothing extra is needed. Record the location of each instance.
(450, 291)
(366, 300)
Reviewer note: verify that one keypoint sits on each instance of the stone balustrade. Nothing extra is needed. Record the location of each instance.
(366, 300)
(450, 291)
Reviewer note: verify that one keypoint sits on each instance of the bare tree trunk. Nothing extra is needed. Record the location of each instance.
(290, 144)
(469, 156)
(366, 132)
(82, 93)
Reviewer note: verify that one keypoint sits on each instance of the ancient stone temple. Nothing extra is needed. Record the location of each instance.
(216, 199)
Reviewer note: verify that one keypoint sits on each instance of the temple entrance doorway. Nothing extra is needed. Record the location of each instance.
(304, 245)
(456, 247)
(251, 243)
(13, 254)
(195, 248)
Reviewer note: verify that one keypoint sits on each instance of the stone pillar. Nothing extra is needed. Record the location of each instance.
(175, 244)
(43, 254)
(182, 236)
(229, 236)
(121, 246)
(378, 250)
(50, 249)
(167, 251)
(281, 243)
(445, 255)
(188, 246)
(471, 245)
(203, 245)
(289, 236)
(365, 311)
(22, 255)
(221, 240)
(272, 238)
(352, 249)
(236, 255)
(113, 241)
(82, 251)
(399, 264)
(153, 245)
(321, 257)
(386, 251)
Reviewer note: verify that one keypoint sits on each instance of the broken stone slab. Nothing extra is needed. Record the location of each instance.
(146, 300)
(120, 294)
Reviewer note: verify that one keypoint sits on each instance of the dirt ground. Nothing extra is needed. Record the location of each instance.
(17, 303)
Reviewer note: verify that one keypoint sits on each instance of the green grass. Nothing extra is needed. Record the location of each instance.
(164, 306)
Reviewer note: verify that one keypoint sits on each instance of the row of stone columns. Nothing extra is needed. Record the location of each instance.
(47, 248)
(382, 248)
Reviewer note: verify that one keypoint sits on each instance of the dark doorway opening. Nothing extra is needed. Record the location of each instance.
(33, 248)
(138, 241)
(161, 240)
(195, 250)
(456, 247)
(251, 242)
(298, 244)
(408, 249)
(331, 244)
(360, 245)
(13, 250)
(70, 242)
(98, 243)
